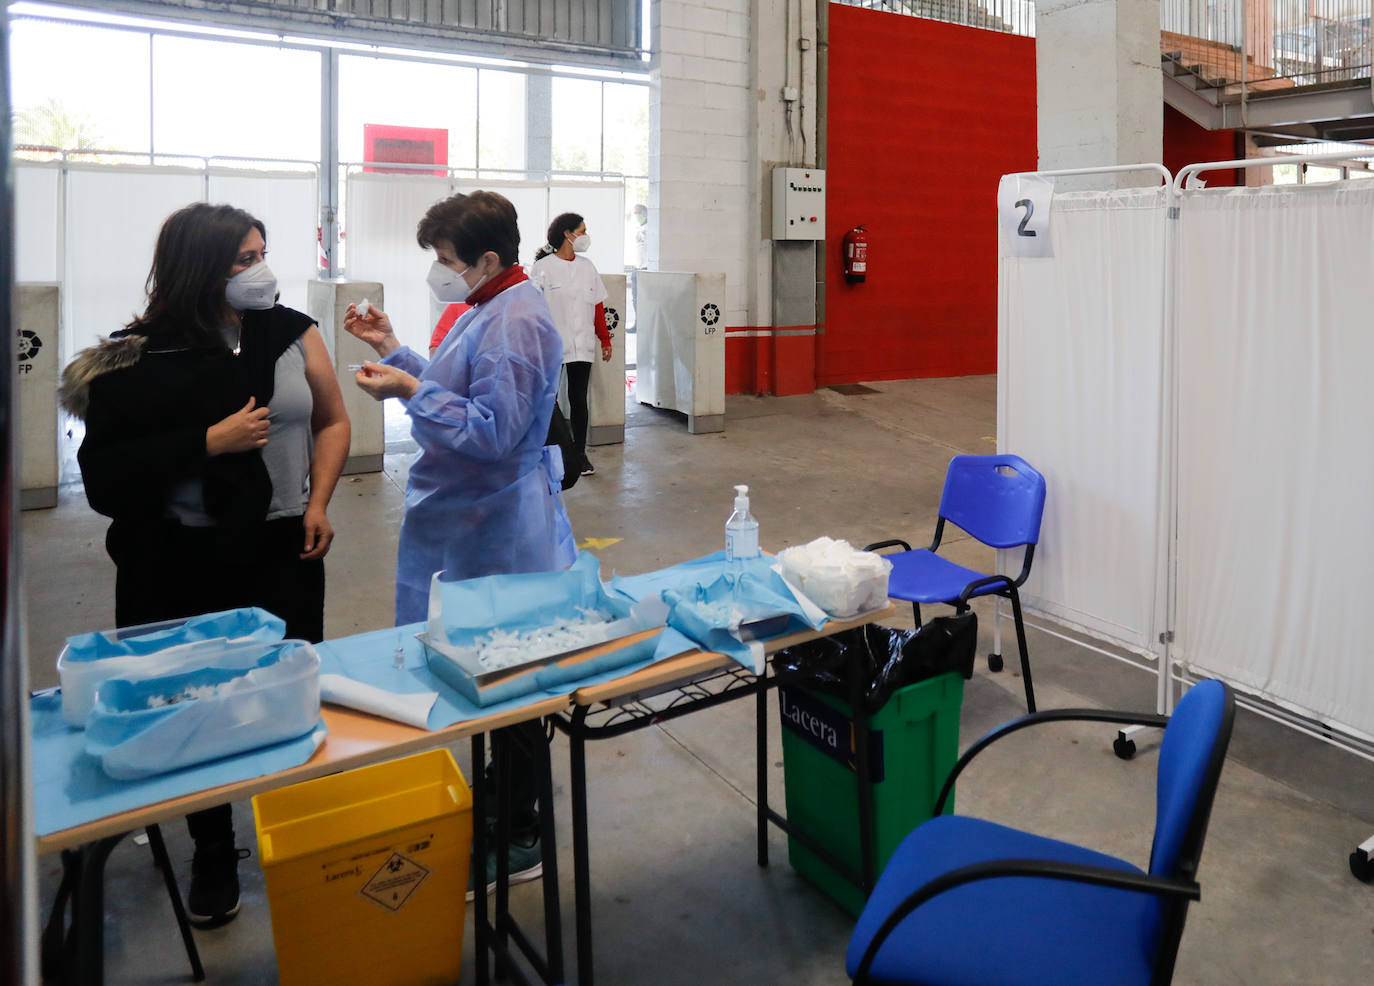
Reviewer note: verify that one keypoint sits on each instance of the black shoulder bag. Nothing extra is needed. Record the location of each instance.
(560, 434)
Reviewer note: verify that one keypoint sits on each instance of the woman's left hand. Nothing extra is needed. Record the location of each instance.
(319, 533)
(605, 352)
(382, 381)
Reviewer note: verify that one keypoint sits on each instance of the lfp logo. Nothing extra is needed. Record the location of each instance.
(28, 346)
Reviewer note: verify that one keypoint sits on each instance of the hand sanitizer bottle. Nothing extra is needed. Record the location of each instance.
(741, 530)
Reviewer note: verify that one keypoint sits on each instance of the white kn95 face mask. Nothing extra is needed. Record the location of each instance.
(446, 284)
(254, 288)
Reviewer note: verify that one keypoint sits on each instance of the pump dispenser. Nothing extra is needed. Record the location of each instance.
(741, 530)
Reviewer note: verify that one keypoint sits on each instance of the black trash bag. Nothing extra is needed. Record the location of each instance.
(888, 659)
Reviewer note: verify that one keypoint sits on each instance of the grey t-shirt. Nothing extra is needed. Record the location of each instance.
(288, 453)
(290, 444)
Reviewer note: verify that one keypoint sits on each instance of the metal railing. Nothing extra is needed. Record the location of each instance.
(1265, 45)
(1005, 16)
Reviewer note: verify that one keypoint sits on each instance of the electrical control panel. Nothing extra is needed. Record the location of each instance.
(798, 204)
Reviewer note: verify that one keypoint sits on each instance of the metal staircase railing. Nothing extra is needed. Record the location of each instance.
(1250, 47)
(1005, 16)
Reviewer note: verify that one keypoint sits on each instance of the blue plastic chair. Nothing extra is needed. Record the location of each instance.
(968, 901)
(998, 499)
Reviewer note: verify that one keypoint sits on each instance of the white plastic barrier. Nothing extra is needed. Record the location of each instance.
(327, 303)
(681, 357)
(606, 397)
(40, 309)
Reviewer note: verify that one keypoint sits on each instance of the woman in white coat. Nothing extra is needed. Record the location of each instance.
(575, 295)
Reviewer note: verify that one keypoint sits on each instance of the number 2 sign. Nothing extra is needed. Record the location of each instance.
(1023, 215)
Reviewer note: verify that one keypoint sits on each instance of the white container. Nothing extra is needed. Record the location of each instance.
(838, 578)
(251, 694)
(151, 650)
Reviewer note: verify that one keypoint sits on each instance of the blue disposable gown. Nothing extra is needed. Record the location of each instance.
(479, 499)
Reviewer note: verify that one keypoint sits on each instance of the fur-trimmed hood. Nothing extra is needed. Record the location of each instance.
(114, 353)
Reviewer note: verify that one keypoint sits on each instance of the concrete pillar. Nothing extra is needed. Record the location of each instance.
(701, 190)
(327, 302)
(36, 367)
(1098, 86)
(606, 394)
(734, 95)
(539, 123)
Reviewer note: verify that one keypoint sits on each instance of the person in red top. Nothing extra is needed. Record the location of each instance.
(446, 321)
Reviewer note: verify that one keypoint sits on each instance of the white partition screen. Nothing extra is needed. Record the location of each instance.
(112, 221)
(1274, 472)
(379, 234)
(37, 199)
(531, 201)
(1079, 398)
(602, 205)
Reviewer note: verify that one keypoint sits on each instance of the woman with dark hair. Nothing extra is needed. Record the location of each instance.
(575, 293)
(216, 502)
(483, 495)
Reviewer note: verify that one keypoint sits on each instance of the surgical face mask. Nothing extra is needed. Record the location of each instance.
(446, 284)
(255, 288)
(582, 244)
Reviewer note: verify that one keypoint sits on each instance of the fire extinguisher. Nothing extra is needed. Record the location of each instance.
(856, 255)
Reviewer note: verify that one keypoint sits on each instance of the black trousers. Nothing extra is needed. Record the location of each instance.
(166, 571)
(579, 379)
(524, 779)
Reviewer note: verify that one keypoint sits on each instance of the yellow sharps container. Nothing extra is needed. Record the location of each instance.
(367, 872)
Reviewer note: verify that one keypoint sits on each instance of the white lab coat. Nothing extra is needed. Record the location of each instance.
(572, 289)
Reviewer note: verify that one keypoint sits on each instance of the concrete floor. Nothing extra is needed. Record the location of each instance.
(677, 897)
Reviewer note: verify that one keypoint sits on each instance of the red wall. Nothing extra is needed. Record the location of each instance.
(924, 118)
(1187, 143)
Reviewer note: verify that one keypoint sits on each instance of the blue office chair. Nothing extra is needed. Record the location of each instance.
(968, 901)
(999, 500)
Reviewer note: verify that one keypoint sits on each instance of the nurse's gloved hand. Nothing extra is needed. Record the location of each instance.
(374, 328)
(382, 381)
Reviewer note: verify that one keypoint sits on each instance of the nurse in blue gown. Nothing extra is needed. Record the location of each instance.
(483, 493)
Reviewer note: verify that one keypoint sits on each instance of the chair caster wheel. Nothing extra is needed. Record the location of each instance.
(1125, 749)
(1362, 866)
(994, 662)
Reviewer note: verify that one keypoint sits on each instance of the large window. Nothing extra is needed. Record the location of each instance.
(395, 92)
(218, 99)
(141, 92)
(95, 96)
(164, 91)
(501, 114)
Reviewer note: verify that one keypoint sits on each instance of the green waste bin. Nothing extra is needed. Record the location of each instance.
(914, 743)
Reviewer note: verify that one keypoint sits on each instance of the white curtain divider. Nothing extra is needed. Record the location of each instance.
(1079, 398)
(1274, 477)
